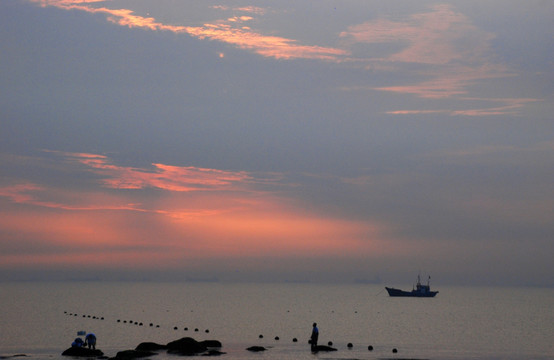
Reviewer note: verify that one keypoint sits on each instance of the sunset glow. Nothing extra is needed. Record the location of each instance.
(276, 141)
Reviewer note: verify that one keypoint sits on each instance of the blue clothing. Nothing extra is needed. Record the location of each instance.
(78, 342)
(90, 340)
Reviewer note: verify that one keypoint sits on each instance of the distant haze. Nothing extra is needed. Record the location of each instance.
(329, 141)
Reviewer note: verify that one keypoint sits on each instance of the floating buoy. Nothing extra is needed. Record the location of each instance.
(151, 324)
(196, 329)
(294, 340)
(330, 343)
(276, 337)
(186, 329)
(175, 328)
(394, 351)
(261, 336)
(157, 326)
(207, 331)
(370, 348)
(350, 345)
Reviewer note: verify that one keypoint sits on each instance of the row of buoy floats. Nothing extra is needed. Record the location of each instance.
(131, 322)
(330, 343)
(85, 316)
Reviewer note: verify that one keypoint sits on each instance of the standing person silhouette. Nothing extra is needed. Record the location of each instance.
(315, 335)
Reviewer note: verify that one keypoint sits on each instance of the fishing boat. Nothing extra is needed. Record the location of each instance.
(418, 291)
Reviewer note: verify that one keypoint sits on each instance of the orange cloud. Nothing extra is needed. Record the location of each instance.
(445, 45)
(165, 177)
(200, 213)
(244, 38)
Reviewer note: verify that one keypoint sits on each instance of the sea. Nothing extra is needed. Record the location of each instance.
(39, 320)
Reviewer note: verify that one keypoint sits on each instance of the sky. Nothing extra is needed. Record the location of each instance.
(318, 141)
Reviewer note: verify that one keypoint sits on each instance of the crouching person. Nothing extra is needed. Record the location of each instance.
(90, 341)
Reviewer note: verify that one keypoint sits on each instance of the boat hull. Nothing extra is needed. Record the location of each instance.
(401, 293)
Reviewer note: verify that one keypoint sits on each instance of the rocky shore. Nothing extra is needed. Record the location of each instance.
(186, 346)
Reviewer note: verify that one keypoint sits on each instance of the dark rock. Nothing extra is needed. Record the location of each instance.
(186, 346)
(256, 348)
(150, 346)
(82, 352)
(323, 348)
(132, 354)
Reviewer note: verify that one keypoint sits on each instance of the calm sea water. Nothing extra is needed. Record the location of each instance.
(41, 320)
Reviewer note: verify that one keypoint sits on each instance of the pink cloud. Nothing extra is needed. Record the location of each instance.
(446, 47)
(200, 213)
(165, 177)
(437, 37)
(243, 37)
(509, 107)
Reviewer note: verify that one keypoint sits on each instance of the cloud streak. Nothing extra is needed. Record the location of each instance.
(164, 177)
(508, 107)
(241, 37)
(438, 37)
(446, 48)
(441, 45)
